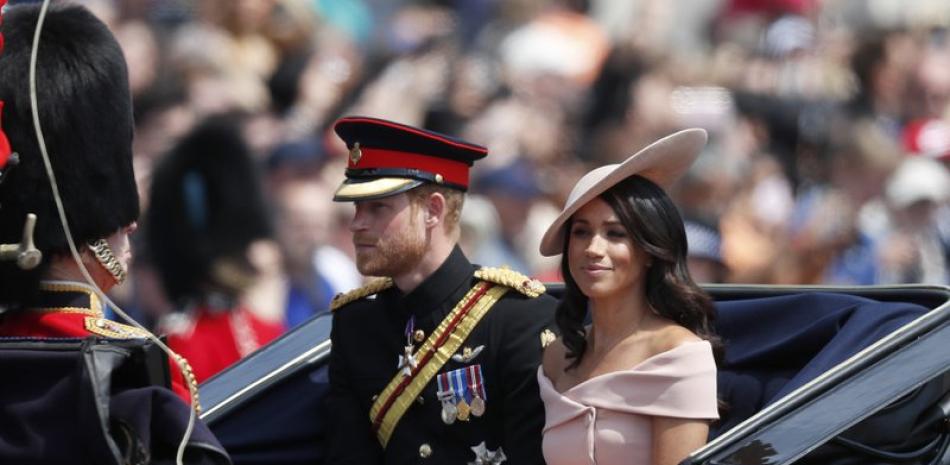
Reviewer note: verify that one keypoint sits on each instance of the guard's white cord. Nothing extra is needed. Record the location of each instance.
(72, 245)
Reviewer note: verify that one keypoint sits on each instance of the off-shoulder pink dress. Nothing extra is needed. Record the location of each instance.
(606, 420)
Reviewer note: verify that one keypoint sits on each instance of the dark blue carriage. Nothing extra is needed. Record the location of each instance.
(811, 375)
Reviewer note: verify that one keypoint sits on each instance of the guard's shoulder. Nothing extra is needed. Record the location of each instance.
(111, 329)
(375, 286)
(513, 279)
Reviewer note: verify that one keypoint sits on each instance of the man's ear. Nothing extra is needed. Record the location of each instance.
(435, 209)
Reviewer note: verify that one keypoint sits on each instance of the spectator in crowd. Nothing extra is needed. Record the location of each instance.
(316, 271)
(703, 257)
(209, 238)
(513, 191)
(915, 248)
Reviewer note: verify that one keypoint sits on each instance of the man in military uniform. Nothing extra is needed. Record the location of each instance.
(86, 115)
(436, 361)
(63, 409)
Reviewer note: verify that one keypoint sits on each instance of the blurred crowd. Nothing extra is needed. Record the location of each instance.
(829, 125)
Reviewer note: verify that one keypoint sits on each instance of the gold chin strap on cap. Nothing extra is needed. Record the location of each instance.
(103, 253)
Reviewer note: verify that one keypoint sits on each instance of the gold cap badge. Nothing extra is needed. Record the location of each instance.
(355, 154)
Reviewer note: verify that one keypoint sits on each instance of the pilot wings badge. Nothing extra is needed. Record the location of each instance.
(467, 354)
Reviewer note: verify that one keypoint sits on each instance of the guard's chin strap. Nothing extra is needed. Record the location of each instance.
(103, 252)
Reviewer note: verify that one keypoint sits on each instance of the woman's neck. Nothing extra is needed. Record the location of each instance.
(616, 317)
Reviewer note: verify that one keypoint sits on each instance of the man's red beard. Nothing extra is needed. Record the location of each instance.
(391, 256)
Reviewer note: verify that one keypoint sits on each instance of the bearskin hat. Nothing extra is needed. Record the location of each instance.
(85, 111)
(205, 209)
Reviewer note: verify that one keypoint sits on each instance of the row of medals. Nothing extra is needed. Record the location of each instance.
(450, 411)
(461, 410)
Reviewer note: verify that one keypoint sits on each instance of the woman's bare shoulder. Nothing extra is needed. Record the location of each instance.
(670, 336)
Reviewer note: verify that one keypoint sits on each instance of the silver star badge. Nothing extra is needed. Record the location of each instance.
(483, 456)
(407, 361)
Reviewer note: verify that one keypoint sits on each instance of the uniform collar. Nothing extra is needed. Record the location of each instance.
(68, 295)
(435, 292)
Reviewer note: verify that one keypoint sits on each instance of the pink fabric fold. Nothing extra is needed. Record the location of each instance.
(606, 420)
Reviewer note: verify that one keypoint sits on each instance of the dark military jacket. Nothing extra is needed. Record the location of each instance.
(370, 334)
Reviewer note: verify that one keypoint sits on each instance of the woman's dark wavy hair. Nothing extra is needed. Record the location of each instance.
(654, 224)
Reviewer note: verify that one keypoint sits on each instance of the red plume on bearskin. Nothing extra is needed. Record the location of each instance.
(4, 143)
(3, 3)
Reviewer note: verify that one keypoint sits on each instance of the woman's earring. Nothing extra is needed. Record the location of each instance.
(103, 253)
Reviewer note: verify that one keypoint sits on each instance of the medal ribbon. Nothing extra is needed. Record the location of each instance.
(410, 327)
(460, 380)
(402, 391)
(443, 382)
(475, 375)
(446, 391)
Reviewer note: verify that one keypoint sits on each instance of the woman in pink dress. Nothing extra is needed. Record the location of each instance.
(637, 386)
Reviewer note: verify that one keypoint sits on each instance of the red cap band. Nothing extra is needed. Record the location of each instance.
(452, 171)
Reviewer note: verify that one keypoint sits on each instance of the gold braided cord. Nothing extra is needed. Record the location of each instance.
(190, 378)
(513, 279)
(95, 307)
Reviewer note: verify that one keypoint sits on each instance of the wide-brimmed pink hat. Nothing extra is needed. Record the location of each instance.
(662, 162)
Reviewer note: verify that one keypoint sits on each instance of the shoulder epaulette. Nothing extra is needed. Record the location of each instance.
(373, 287)
(513, 279)
(108, 328)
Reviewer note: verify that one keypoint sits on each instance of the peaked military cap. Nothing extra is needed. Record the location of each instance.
(388, 158)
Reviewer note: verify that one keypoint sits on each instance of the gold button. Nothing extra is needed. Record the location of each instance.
(425, 451)
(419, 335)
(439, 179)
